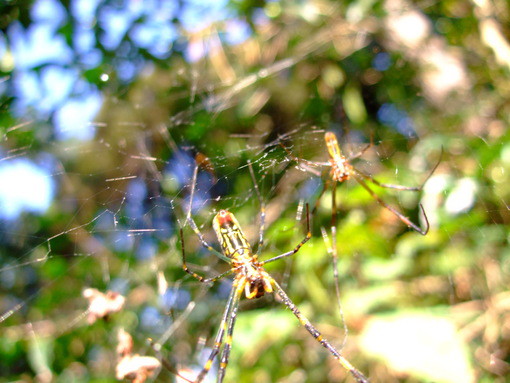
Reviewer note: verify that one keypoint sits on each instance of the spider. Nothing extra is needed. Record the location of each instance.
(250, 279)
(342, 170)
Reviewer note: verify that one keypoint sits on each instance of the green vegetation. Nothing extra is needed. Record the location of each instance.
(420, 78)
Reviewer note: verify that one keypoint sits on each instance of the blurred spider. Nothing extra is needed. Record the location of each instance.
(342, 170)
(253, 280)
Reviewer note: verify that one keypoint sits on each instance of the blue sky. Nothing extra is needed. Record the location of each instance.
(57, 89)
(24, 186)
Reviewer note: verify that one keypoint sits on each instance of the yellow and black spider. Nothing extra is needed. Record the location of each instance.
(253, 280)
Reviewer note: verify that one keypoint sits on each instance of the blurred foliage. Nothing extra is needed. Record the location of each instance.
(421, 78)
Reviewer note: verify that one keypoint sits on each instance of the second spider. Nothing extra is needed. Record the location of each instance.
(342, 170)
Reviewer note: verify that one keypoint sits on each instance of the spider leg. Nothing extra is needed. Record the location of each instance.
(262, 209)
(399, 215)
(201, 161)
(310, 165)
(167, 364)
(383, 185)
(192, 192)
(233, 301)
(333, 205)
(332, 250)
(193, 224)
(361, 152)
(360, 378)
(192, 273)
(400, 187)
(204, 242)
(434, 168)
(300, 244)
(225, 354)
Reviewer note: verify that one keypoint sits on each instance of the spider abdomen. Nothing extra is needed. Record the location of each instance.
(253, 278)
(256, 288)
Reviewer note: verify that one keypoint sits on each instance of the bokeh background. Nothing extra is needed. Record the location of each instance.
(106, 104)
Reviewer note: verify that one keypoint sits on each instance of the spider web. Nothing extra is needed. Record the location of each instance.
(126, 241)
(123, 234)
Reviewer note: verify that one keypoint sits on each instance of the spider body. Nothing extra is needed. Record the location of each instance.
(341, 169)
